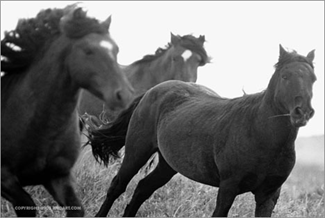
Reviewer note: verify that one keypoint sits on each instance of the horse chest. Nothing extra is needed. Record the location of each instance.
(50, 157)
(268, 173)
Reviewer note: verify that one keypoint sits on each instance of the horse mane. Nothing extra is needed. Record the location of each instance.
(292, 57)
(192, 43)
(20, 47)
(149, 58)
(187, 41)
(245, 105)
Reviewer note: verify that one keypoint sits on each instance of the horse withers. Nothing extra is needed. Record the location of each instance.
(178, 61)
(240, 145)
(46, 61)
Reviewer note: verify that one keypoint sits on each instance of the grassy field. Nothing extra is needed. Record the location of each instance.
(302, 194)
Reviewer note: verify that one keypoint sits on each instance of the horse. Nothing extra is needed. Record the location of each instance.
(244, 144)
(46, 62)
(178, 61)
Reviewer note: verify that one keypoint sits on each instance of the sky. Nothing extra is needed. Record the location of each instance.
(242, 38)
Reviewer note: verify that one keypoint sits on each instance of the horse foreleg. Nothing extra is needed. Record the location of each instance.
(226, 196)
(266, 203)
(63, 192)
(12, 191)
(156, 179)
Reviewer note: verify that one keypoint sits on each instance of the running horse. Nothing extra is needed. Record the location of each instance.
(46, 62)
(245, 144)
(178, 61)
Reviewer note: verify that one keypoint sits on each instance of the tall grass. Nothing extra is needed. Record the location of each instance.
(302, 194)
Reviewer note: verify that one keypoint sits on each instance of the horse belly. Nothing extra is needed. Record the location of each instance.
(190, 156)
(195, 168)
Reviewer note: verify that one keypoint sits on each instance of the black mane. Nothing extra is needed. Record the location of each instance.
(187, 41)
(193, 44)
(20, 46)
(292, 57)
(238, 108)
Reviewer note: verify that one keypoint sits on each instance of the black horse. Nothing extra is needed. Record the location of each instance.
(46, 62)
(240, 145)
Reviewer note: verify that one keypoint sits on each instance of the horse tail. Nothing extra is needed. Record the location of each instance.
(107, 141)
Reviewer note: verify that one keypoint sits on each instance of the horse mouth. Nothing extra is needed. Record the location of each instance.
(300, 118)
(299, 122)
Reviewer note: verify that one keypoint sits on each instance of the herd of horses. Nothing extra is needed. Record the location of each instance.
(63, 64)
(166, 64)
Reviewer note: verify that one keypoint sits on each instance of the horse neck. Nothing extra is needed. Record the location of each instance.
(145, 75)
(52, 87)
(274, 127)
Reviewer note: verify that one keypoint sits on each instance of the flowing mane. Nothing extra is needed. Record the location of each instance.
(193, 44)
(187, 41)
(20, 46)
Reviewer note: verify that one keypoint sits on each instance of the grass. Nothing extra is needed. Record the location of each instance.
(302, 195)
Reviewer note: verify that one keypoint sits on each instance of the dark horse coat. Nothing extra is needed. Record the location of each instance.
(244, 144)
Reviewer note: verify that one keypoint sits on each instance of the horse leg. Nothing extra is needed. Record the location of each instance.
(12, 191)
(135, 157)
(265, 203)
(226, 196)
(63, 192)
(156, 179)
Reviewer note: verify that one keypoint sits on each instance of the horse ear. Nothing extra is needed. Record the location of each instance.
(311, 55)
(174, 39)
(77, 13)
(283, 52)
(107, 22)
(202, 39)
(70, 12)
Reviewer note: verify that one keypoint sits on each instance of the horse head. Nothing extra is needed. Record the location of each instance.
(293, 91)
(186, 54)
(92, 59)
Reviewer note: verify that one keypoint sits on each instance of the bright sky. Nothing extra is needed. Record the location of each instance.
(242, 37)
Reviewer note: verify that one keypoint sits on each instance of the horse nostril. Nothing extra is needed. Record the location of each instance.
(298, 111)
(118, 95)
(311, 113)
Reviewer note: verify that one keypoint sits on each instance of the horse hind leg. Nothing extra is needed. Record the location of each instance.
(63, 192)
(156, 179)
(11, 190)
(136, 156)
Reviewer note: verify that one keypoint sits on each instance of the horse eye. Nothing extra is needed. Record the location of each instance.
(284, 77)
(88, 51)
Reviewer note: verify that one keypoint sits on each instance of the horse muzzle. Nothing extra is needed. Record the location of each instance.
(120, 99)
(299, 117)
